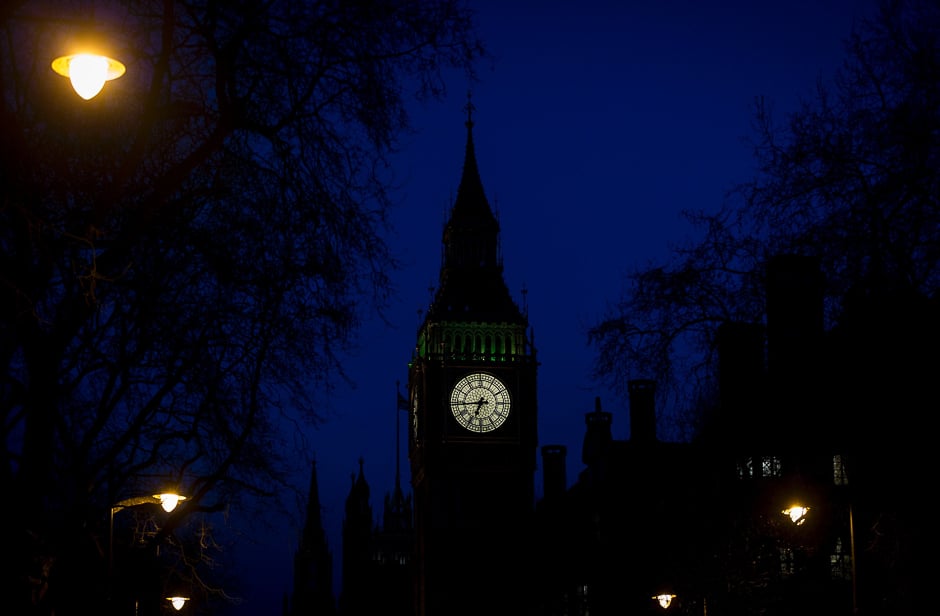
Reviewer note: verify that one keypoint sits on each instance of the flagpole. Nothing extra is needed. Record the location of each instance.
(397, 433)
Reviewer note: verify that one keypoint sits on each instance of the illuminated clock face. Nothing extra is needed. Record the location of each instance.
(480, 402)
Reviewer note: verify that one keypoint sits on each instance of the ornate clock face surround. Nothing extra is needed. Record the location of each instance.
(480, 402)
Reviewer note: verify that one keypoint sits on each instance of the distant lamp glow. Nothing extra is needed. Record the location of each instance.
(88, 72)
(796, 513)
(664, 600)
(177, 602)
(169, 501)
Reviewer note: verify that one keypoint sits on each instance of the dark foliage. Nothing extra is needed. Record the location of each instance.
(182, 254)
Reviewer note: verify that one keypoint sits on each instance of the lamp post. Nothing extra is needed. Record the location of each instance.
(167, 500)
(797, 514)
(852, 556)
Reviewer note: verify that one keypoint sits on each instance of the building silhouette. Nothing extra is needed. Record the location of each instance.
(312, 591)
(816, 405)
(472, 386)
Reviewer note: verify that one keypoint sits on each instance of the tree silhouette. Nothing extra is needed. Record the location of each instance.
(182, 254)
(851, 177)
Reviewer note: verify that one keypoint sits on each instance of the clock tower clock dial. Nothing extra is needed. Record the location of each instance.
(480, 402)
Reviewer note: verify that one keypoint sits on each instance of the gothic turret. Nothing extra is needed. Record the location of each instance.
(357, 546)
(313, 562)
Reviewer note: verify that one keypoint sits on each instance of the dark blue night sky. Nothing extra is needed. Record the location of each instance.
(597, 124)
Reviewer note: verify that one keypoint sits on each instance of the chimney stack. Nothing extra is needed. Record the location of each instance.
(642, 410)
(553, 470)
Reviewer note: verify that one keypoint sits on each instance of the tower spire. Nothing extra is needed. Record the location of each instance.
(469, 108)
(313, 562)
(471, 198)
(471, 281)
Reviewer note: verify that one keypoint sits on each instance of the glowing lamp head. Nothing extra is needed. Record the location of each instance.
(664, 600)
(177, 602)
(88, 72)
(169, 501)
(797, 514)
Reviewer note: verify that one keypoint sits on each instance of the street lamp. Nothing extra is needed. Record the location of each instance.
(89, 63)
(88, 72)
(796, 513)
(167, 500)
(664, 599)
(177, 602)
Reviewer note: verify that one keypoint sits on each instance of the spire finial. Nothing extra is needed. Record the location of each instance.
(469, 108)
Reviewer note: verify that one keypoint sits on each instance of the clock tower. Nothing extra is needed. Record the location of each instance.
(472, 389)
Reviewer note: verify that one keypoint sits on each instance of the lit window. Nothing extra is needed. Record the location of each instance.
(838, 471)
(840, 562)
(745, 468)
(582, 608)
(770, 466)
